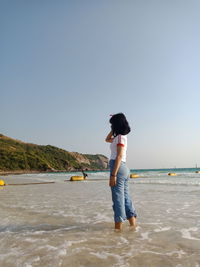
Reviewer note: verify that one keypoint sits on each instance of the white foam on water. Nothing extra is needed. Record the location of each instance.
(186, 233)
(152, 252)
(39, 232)
(49, 247)
(138, 228)
(13, 252)
(169, 210)
(63, 249)
(69, 243)
(145, 236)
(123, 241)
(175, 181)
(105, 255)
(62, 252)
(162, 229)
(31, 261)
(31, 240)
(100, 217)
(85, 219)
(102, 255)
(65, 229)
(179, 253)
(58, 212)
(154, 223)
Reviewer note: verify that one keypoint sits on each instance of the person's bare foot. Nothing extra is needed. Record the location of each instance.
(132, 222)
(118, 226)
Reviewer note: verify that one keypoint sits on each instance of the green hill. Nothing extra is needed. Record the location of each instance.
(16, 155)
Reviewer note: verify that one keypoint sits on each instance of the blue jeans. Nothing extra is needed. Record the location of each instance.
(122, 203)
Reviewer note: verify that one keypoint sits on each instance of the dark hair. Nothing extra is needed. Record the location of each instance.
(119, 124)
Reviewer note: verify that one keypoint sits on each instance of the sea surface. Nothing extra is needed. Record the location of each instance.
(71, 223)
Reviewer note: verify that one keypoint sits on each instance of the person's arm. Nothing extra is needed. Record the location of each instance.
(113, 177)
(109, 137)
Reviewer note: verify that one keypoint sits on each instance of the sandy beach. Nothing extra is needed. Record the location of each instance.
(71, 223)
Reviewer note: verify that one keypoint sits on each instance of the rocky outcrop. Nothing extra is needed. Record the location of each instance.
(103, 161)
(80, 158)
(98, 160)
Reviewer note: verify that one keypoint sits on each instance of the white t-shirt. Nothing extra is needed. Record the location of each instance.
(119, 140)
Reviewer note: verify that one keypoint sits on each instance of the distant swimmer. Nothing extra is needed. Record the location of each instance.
(84, 174)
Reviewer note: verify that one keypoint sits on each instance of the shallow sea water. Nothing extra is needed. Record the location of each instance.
(71, 223)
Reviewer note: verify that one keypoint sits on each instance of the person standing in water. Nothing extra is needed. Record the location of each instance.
(119, 173)
(84, 174)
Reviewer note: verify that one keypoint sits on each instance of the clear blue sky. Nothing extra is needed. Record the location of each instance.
(65, 66)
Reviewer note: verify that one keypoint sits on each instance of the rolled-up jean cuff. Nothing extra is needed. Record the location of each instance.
(134, 215)
(119, 219)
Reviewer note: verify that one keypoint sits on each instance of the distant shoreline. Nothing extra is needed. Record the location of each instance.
(18, 172)
(4, 173)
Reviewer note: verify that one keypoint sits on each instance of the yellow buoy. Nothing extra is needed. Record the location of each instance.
(77, 178)
(2, 183)
(134, 175)
(197, 171)
(172, 174)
